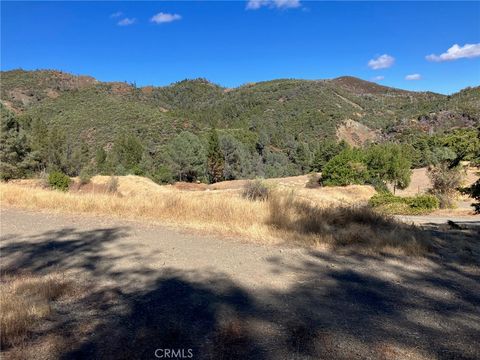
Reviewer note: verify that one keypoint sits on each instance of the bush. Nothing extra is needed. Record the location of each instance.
(427, 202)
(346, 168)
(58, 180)
(384, 198)
(313, 181)
(412, 205)
(112, 185)
(256, 190)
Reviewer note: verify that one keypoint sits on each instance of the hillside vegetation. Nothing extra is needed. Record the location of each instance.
(270, 129)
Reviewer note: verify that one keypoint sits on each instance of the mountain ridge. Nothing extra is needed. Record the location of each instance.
(282, 110)
(346, 81)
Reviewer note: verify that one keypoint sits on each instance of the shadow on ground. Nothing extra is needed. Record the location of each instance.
(340, 307)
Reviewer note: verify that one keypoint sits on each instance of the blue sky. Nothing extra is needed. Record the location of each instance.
(236, 42)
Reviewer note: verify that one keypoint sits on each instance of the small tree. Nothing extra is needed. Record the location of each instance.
(303, 157)
(127, 151)
(239, 162)
(101, 159)
(14, 151)
(187, 157)
(390, 163)
(215, 160)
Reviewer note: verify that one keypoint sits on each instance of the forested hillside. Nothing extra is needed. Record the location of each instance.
(274, 128)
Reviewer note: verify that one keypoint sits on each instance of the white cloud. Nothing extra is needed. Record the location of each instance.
(382, 62)
(378, 78)
(116, 14)
(413, 77)
(127, 21)
(279, 4)
(161, 18)
(457, 52)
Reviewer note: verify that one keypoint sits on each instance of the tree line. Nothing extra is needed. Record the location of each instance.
(216, 155)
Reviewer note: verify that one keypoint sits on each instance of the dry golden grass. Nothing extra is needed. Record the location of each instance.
(285, 217)
(25, 301)
(359, 226)
(228, 214)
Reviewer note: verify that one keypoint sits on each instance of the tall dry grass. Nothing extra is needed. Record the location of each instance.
(359, 226)
(226, 213)
(284, 217)
(24, 302)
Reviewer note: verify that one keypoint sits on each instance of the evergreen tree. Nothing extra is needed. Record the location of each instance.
(126, 154)
(101, 160)
(187, 157)
(303, 157)
(14, 151)
(215, 160)
(80, 158)
(239, 162)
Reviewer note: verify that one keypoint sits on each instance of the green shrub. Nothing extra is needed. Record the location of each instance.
(346, 168)
(58, 180)
(384, 198)
(412, 205)
(256, 190)
(427, 202)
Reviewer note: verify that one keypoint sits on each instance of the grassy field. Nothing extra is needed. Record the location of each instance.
(305, 216)
(327, 218)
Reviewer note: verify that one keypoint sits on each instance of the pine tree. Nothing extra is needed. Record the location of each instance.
(14, 151)
(186, 157)
(215, 160)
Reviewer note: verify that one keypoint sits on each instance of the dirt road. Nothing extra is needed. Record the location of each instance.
(152, 287)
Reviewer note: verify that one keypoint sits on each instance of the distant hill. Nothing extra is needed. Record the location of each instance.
(282, 111)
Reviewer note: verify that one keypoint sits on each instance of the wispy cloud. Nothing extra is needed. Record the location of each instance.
(413, 77)
(161, 18)
(279, 4)
(382, 62)
(116, 14)
(127, 21)
(378, 78)
(457, 52)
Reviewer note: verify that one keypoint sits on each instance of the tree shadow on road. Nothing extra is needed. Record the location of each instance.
(339, 307)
